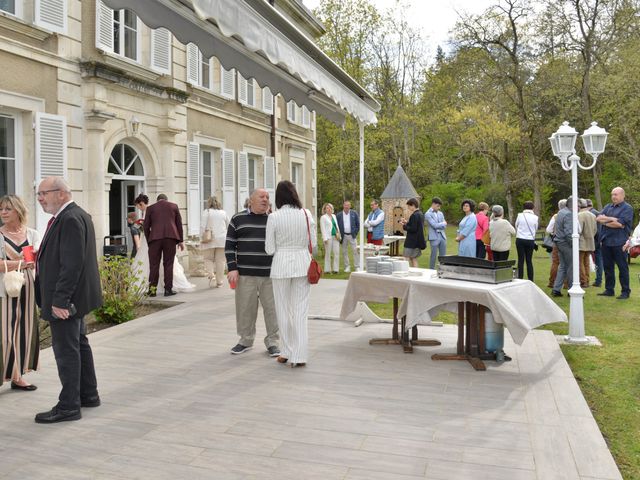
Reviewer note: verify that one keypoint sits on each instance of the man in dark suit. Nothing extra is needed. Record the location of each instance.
(349, 226)
(163, 230)
(67, 288)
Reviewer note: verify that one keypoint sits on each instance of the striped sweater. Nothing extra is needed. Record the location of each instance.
(244, 247)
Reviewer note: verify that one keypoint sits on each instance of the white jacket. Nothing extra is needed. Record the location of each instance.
(326, 227)
(217, 221)
(288, 241)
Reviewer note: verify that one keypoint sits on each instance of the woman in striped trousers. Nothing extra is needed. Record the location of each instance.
(287, 239)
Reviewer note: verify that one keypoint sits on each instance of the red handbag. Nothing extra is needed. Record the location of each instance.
(634, 251)
(314, 272)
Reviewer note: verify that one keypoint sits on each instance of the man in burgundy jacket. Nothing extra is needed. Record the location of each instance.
(163, 230)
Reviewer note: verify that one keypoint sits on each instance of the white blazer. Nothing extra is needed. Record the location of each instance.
(326, 227)
(217, 221)
(288, 241)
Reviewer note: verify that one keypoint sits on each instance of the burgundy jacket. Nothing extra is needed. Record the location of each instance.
(162, 220)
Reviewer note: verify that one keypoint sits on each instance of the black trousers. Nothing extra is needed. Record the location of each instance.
(497, 256)
(612, 257)
(525, 254)
(74, 359)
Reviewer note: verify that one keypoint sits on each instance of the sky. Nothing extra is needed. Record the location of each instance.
(434, 18)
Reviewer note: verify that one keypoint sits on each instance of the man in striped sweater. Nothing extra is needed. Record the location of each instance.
(249, 268)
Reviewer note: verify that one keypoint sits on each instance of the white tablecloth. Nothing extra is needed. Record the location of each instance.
(520, 305)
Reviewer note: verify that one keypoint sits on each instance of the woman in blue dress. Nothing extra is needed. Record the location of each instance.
(466, 235)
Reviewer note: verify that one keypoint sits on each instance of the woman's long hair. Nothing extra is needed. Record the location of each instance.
(213, 203)
(286, 194)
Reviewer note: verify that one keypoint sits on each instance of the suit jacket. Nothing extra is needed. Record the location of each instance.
(68, 264)
(162, 220)
(355, 223)
(436, 225)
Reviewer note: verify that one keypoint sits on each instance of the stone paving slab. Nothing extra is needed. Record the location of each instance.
(177, 405)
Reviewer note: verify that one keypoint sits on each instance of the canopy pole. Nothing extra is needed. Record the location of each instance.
(362, 229)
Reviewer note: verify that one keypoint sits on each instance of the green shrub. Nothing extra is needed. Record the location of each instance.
(121, 289)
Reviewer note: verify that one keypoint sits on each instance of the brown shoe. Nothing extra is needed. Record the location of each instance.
(281, 359)
(294, 365)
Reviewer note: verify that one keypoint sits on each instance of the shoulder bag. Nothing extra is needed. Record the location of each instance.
(13, 280)
(535, 245)
(314, 271)
(207, 236)
(634, 251)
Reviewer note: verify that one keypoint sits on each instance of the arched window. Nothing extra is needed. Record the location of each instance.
(125, 161)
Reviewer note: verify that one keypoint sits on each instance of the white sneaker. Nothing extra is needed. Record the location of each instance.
(347, 270)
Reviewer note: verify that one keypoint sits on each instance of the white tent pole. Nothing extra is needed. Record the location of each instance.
(362, 230)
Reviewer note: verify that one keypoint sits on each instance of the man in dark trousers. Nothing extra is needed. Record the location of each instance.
(67, 288)
(163, 229)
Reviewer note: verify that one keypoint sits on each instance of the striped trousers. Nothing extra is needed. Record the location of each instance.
(291, 297)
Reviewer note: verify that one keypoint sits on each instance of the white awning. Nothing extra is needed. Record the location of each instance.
(255, 39)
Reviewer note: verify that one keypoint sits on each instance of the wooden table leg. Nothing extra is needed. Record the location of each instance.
(395, 337)
(467, 313)
(427, 342)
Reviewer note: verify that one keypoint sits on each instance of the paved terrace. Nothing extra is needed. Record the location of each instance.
(177, 405)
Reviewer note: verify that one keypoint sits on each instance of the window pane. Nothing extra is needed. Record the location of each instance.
(206, 163)
(205, 74)
(8, 6)
(116, 31)
(136, 169)
(250, 92)
(7, 137)
(130, 19)
(131, 44)
(7, 177)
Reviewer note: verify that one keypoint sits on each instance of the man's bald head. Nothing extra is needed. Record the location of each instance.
(259, 201)
(617, 195)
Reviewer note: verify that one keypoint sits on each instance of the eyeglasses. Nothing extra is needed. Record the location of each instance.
(44, 192)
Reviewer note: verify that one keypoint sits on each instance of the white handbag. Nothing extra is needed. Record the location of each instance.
(13, 280)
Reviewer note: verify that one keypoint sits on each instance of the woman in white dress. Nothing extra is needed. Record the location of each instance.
(215, 220)
(330, 238)
(141, 260)
(287, 239)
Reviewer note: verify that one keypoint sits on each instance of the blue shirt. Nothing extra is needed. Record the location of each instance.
(614, 237)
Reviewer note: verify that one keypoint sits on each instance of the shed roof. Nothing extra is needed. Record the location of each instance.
(399, 186)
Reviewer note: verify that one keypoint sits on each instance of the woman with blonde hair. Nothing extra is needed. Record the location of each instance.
(330, 238)
(20, 335)
(213, 227)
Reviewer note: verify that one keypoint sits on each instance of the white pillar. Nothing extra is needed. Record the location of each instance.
(576, 293)
(362, 230)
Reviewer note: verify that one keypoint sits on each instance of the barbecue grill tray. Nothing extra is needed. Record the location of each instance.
(457, 260)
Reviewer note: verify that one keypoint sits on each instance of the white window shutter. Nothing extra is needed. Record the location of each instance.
(104, 27)
(51, 154)
(306, 117)
(242, 90)
(243, 177)
(291, 111)
(161, 50)
(270, 177)
(193, 188)
(193, 64)
(267, 101)
(227, 83)
(228, 182)
(51, 14)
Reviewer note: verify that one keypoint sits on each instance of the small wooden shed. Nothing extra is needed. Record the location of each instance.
(394, 201)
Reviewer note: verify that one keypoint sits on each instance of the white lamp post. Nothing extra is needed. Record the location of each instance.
(563, 144)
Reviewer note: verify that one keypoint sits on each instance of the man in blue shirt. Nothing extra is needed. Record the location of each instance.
(616, 220)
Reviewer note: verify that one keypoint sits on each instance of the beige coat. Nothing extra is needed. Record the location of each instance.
(501, 232)
(588, 228)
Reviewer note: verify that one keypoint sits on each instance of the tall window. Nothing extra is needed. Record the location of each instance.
(252, 174)
(7, 155)
(205, 71)
(296, 177)
(125, 33)
(206, 176)
(8, 6)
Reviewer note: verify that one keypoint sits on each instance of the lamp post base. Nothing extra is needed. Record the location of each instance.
(589, 340)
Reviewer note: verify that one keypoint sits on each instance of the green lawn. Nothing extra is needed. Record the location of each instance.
(609, 376)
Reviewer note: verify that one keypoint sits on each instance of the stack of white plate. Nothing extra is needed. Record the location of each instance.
(385, 268)
(400, 268)
(386, 258)
(372, 264)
